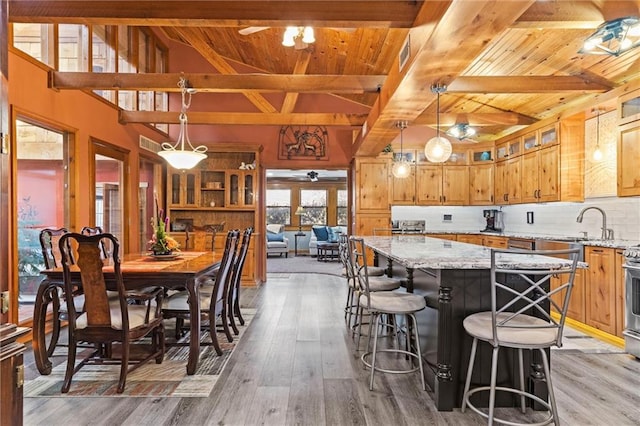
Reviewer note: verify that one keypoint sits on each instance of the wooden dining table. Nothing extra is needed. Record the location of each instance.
(138, 271)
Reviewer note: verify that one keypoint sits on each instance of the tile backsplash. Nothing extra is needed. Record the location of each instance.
(623, 216)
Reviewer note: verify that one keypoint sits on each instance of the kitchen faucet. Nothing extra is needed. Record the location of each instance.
(606, 233)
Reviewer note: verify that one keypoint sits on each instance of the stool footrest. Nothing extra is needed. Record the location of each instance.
(398, 351)
(536, 398)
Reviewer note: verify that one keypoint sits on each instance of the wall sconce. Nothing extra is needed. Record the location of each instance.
(614, 37)
(438, 149)
(401, 168)
(181, 158)
(461, 131)
(298, 37)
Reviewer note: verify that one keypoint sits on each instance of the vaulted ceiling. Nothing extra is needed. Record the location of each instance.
(506, 63)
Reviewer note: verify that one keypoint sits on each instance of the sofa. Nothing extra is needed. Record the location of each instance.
(277, 243)
(324, 233)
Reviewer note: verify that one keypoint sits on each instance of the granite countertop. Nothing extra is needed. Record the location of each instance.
(422, 252)
(617, 243)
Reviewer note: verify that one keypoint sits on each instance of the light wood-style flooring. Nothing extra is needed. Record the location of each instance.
(296, 364)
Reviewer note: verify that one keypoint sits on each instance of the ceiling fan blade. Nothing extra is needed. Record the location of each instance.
(251, 30)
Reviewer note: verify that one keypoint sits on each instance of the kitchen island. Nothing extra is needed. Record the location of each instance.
(455, 280)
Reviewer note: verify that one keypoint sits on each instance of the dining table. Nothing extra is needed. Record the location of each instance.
(139, 270)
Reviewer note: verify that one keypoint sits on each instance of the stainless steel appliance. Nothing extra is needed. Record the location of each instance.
(521, 243)
(409, 226)
(632, 305)
(542, 244)
(494, 220)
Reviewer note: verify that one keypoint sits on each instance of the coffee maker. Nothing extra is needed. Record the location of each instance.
(494, 220)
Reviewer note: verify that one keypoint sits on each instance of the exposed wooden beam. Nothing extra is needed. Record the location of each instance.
(245, 118)
(475, 119)
(525, 84)
(195, 38)
(218, 82)
(273, 13)
(302, 62)
(575, 14)
(455, 35)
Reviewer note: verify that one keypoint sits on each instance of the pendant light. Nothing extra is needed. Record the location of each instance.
(438, 149)
(176, 155)
(401, 168)
(597, 152)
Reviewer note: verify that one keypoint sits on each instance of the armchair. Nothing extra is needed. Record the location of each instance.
(277, 243)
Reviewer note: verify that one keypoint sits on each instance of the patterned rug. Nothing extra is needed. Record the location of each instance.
(168, 379)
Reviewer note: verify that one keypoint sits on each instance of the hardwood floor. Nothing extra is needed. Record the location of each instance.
(296, 364)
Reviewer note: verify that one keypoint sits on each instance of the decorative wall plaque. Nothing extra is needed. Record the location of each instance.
(303, 142)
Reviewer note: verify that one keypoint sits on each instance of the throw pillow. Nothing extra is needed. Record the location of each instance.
(334, 235)
(321, 232)
(275, 237)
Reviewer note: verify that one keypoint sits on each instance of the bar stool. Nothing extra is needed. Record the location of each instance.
(390, 303)
(517, 292)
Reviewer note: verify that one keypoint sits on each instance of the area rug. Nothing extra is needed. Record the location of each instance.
(302, 265)
(168, 379)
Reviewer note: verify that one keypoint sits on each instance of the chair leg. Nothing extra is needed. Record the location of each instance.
(467, 384)
(418, 349)
(492, 389)
(374, 318)
(523, 402)
(124, 366)
(214, 336)
(224, 318)
(232, 320)
(158, 336)
(71, 362)
(552, 398)
(236, 306)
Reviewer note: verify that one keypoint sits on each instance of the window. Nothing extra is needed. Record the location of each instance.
(314, 202)
(149, 180)
(36, 40)
(279, 206)
(103, 55)
(342, 213)
(72, 47)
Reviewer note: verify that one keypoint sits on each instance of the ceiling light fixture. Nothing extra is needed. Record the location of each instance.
(461, 131)
(614, 37)
(181, 158)
(438, 149)
(401, 167)
(298, 37)
(313, 176)
(597, 152)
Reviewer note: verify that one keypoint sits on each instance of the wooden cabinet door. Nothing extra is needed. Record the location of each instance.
(429, 185)
(470, 239)
(514, 180)
(620, 293)
(600, 284)
(529, 180)
(576, 308)
(628, 159)
(403, 191)
(494, 241)
(481, 184)
(183, 189)
(501, 188)
(548, 174)
(455, 185)
(372, 185)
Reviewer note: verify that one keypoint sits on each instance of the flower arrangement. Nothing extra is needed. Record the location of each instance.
(160, 242)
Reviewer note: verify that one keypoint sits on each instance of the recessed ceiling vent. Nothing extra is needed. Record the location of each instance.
(405, 53)
(149, 144)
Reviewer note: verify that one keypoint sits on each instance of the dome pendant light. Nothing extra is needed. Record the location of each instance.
(438, 149)
(401, 168)
(597, 152)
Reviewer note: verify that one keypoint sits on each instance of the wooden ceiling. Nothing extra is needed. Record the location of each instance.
(506, 64)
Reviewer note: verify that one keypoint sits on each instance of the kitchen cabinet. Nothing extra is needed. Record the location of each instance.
(600, 289)
(628, 159)
(372, 185)
(494, 241)
(576, 308)
(620, 292)
(629, 107)
(240, 188)
(403, 191)
(442, 185)
(540, 166)
(450, 237)
(481, 185)
(11, 374)
(183, 188)
(470, 239)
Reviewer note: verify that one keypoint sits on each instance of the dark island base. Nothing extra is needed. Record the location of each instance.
(451, 295)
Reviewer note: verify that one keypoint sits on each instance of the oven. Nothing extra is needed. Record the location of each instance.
(632, 306)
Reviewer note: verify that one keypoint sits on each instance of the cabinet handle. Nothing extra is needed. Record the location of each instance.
(492, 198)
(597, 251)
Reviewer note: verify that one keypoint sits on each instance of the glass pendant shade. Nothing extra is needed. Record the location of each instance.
(401, 169)
(597, 153)
(438, 149)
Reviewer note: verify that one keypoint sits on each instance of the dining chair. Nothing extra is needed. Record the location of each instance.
(236, 281)
(390, 304)
(49, 243)
(520, 319)
(95, 230)
(201, 239)
(131, 317)
(213, 301)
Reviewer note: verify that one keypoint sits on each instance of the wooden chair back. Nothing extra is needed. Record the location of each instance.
(220, 291)
(95, 230)
(201, 239)
(49, 243)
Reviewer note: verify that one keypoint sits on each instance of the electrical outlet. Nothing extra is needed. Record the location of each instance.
(4, 302)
